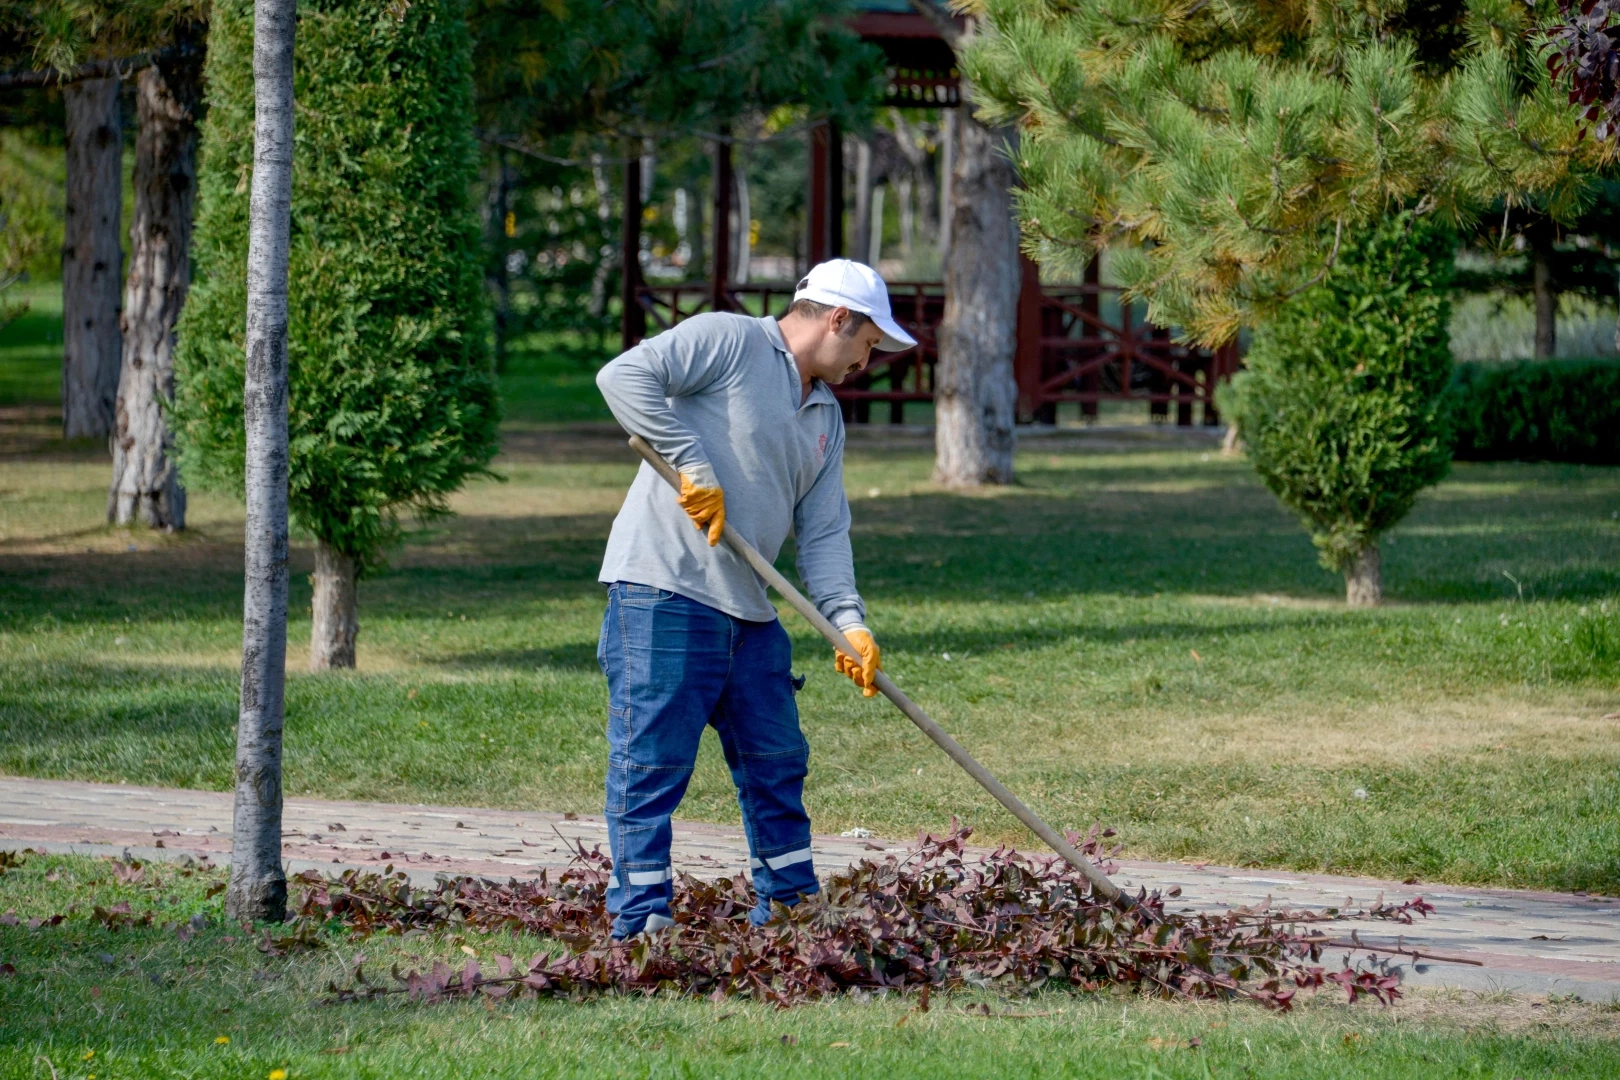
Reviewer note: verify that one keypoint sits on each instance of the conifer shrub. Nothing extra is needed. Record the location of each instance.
(1342, 403)
(392, 397)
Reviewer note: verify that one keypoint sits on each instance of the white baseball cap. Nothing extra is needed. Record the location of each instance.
(849, 284)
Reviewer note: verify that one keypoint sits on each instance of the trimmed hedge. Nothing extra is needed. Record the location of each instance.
(1537, 410)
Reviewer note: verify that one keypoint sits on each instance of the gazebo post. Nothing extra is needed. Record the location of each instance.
(816, 218)
(835, 191)
(720, 272)
(826, 183)
(1027, 357)
(632, 317)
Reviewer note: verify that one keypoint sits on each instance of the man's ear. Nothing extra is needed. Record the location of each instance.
(837, 319)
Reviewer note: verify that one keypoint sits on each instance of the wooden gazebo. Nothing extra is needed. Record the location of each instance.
(1067, 351)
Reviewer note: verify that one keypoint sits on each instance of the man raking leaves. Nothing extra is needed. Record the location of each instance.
(736, 413)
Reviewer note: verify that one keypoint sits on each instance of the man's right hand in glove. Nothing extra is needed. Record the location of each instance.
(704, 501)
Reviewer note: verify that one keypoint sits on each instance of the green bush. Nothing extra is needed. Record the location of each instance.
(1538, 410)
(1341, 406)
(392, 395)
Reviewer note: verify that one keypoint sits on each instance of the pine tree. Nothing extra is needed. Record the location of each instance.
(1246, 162)
(392, 400)
(1222, 151)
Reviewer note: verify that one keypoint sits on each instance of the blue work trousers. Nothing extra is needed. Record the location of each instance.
(673, 666)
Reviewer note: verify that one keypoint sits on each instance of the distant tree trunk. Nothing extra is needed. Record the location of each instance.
(1546, 294)
(145, 482)
(92, 260)
(914, 149)
(258, 888)
(861, 240)
(335, 607)
(607, 259)
(1364, 581)
(908, 217)
(745, 211)
(874, 235)
(947, 170)
(502, 233)
(975, 397)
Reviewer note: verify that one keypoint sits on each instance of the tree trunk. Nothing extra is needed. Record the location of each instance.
(861, 240)
(1364, 581)
(335, 608)
(1232, 441)
(874, 235)
(608, 255)
(745, 232)
(913, 147)
(258, 888)
(504, 229)
(92, 260)
(947, 172)
(145, 481)
(975, 397)
(907, 215)
(1546, 296)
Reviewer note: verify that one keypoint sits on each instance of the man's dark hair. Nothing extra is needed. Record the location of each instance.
(810, 309)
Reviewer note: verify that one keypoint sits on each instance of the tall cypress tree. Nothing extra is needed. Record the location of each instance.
(392, 396)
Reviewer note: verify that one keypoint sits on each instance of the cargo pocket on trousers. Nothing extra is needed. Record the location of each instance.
(618, 781)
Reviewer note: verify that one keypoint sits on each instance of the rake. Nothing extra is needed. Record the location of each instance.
(1100, 885)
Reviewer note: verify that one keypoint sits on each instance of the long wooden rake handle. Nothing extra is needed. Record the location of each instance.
(1100, 885)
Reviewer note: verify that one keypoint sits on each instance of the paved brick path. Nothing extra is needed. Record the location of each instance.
(1530, 942)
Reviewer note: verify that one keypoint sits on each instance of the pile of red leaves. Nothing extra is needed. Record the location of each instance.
(937, 918)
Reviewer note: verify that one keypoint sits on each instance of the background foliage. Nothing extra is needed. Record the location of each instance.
(1537, 411)
(1223, 149)
(392, 399)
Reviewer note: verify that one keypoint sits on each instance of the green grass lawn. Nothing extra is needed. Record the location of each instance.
(85, 1000)
(31, 347)
(1052, 627)
(1134, 634)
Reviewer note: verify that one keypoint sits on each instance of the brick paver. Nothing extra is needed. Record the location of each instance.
(1530, 942)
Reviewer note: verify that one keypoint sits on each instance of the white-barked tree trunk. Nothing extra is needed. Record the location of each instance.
(145, 481)
(258, 885)
(335, 609)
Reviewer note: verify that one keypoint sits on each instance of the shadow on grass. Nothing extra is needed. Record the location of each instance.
(574, 656)
(1101, 529)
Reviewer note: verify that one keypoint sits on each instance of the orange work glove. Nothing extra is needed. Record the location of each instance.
(862, 672)
(705, 505)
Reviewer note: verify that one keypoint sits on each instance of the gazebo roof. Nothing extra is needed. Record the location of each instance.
(921, 66)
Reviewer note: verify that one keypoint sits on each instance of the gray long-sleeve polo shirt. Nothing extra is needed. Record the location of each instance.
(720, 393)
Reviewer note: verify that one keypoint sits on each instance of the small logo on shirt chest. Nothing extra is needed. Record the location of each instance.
(821, 449)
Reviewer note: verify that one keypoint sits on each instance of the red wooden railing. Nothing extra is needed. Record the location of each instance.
(1074, 354)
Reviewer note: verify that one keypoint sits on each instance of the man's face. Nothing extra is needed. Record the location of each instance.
(842, 352)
